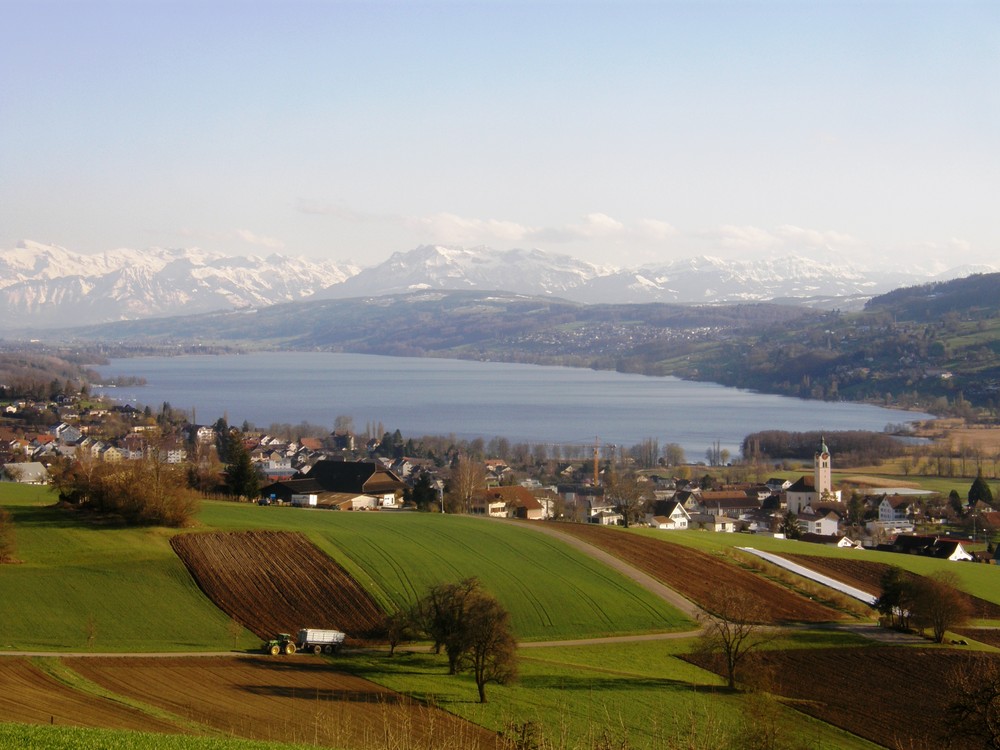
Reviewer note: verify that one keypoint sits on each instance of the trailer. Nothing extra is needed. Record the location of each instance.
(309, 639)
(320, 641)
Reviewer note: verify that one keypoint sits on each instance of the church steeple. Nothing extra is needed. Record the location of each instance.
(823, 481)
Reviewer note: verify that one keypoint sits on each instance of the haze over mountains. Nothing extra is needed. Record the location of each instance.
(43, 286)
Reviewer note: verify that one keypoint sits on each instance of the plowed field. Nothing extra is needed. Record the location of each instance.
(30, 696)
(282, 699)
(277, 582)
(895, 696)
(867, 576)
(697, 574)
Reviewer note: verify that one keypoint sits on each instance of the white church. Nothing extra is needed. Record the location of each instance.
(818, 488)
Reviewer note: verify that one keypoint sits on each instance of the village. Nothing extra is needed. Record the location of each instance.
(344, 471)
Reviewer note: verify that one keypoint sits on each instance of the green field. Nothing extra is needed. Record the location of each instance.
(81, 587)
(626, 695)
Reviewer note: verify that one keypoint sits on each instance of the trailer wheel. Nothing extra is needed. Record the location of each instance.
(289, 648)
(328, 649)
(317, 650)
(275, 649)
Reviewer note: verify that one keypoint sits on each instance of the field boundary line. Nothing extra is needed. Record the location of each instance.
(669, 595)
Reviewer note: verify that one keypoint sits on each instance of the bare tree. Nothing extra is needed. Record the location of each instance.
(467, 478)
(442, 616)
(734, 627)
(673, 454)
(399, 627)
(490, 649)
(627, 495)
(939, 604)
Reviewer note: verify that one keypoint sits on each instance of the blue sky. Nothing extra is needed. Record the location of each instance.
(617, 132)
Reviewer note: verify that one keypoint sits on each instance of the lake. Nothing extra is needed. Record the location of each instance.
(523, 403)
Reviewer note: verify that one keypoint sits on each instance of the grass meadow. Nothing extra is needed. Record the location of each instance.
(79, 587)
(624, 695)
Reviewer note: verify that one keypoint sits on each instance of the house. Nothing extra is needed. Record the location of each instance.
(515, 501)
(834, 540)
(777, 484)
(607, 517)
(29, 472)
(311, 444)
(359, 477)
(812, 523)
(896, 510)
(674, 517)
(930, 546)
(492, 502)
(709, 522)
(732, 503)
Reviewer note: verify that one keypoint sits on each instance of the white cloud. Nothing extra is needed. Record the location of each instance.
(449, 228)
(748, 238)
(654, 229)
(597, 225)
(815, 237)
(255, 239)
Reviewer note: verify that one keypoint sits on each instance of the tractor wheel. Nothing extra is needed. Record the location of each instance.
(289, 648)
(275, 649)
(328, 649)
(317, 650)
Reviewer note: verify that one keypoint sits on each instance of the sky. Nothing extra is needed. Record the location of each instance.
(620, 133)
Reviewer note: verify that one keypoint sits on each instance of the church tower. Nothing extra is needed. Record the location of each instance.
(822, 480)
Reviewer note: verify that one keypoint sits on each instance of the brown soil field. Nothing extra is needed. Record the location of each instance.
(867, 576)
(989, 636)
(286, 699)
(697, 574)
(30, 696)
(895, 696)
(277, 582)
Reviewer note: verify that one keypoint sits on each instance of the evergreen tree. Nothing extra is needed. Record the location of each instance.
(980, 491)
(423, 493)
(790, 526)
(241, 475)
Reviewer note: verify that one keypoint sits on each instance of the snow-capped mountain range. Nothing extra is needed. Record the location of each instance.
(43, 286)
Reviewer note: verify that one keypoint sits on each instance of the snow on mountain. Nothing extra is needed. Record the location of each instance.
(44, 286)
(443, 267)
(700, 280)
(708, 279)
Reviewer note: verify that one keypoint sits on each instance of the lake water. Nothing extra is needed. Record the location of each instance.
(523, 403)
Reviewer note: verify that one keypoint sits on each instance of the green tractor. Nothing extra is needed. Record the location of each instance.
(282, 643)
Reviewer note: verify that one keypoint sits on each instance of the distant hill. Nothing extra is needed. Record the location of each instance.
(470, 325)
(977, 295)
